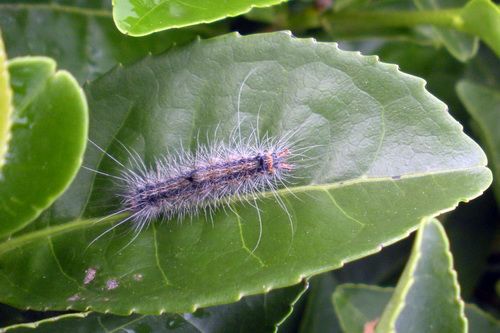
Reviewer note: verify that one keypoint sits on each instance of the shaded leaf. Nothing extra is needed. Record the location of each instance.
(366, 303)
(482, 18)
(318, 315)
(480, 321)
(48, 140)
(80, 36)
(358, 304)
(380, 268)
(139, 18)
(367, 118)
(483, 104)
(461, 45)
(260, 313)
(475, 222)
(427, 297)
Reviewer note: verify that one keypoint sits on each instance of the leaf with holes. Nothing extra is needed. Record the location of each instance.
(385, 154)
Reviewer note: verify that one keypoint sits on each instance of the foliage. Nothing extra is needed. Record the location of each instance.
(385, 158)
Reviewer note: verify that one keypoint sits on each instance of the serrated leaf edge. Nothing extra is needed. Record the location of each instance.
(35, 324)
(400, 297)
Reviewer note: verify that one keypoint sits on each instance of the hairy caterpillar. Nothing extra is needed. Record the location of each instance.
(188, 183)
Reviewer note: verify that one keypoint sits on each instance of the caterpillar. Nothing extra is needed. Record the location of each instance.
(215, 174)
(187, 184)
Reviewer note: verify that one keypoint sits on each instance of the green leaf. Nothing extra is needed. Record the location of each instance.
(259, 313)
(139, 18)
(482, 18)
(82, 38)
(461, 45)
(480, 321)
(5, 105)
(48, 140)
(317, 316)
(366, 303)
(483, 104)
(364, 121)
(340, 5)
(357, 305)
(475, 222)
(377, 268)
(427, 297)
(479, 18)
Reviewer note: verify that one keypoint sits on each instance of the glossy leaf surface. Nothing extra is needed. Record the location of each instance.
(258, 313)
(427, 297)
(49, 134)
(139, 18)
(388, 155)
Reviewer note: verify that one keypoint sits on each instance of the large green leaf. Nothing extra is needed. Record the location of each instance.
(48, 140)
(358, 304)
(79, 35)
(389, 155)
(258, 313)
(427, 297)
(139, 18)
(483, 104)
(5, 104)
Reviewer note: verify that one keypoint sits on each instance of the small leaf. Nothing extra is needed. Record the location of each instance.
(461, 45)
(483, 104)
(359, 304)
(482, 18)
(48, 140)
(317, 316)
(388, 153)
(260, 313)
(5, 105)
(367, 303)
(139, 18)
(427, 297)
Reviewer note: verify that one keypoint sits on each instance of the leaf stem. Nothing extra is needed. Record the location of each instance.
(58, 8)
(448, 18)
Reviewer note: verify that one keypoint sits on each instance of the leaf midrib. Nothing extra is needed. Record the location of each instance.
(79, 224)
